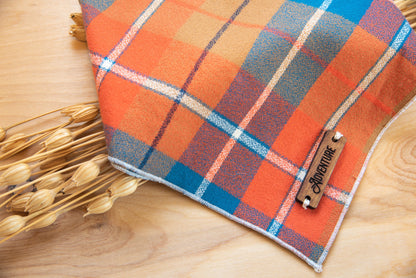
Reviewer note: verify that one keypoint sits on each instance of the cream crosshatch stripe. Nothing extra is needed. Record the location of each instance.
(209, 177)
(109, 61)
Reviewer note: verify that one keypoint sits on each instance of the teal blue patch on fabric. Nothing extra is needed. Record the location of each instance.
(220, 198)
(186, 178)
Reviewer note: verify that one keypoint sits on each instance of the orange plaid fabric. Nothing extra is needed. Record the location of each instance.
(227, 101)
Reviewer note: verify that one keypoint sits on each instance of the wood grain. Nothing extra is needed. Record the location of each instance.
(160, 233)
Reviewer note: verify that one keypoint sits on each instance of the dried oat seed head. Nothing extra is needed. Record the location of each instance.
(72, 109)
(39, 200)
(50, 182)
(99, 205)
(11, 224)
(100, 159)
(15, 174)
(85, 114)
(123, 186)
(19, 203)
(87, 172)
(51, 218)
(78, 32)
(59, 138)
(14, 141)
(2, 134)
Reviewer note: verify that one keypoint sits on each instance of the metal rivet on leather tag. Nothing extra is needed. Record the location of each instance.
(321, 168)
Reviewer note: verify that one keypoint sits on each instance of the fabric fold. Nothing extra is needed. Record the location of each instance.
(227, 102)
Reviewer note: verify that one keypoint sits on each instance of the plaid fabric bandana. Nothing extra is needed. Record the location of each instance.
(227, 101)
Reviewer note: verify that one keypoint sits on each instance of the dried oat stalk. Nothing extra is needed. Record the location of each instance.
(66, 167)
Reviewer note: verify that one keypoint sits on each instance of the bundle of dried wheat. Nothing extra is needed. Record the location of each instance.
(64, 167)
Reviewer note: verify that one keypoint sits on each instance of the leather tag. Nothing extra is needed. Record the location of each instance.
(321, 168)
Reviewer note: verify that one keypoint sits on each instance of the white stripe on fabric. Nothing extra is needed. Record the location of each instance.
(268, 90)
(128, 37)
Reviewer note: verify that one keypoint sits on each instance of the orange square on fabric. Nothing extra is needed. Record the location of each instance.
(103, 40)
(191, 3)
(220, 8)
(318, 104)
(127, 11)
(395, 82)
(181, 130)
(212, 79)
(258, 13)
(297, 137)
(177, 63)
(267, 189)
(345, 166)
(145, 116)
(236, 43)
(113, 106)
(359, 122)
(144, 53)
(330, 224)
(168, 19)
(199, 30)
(357, 54)
(311, 223)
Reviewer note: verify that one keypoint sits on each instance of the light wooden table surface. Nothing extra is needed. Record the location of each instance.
(160, 233)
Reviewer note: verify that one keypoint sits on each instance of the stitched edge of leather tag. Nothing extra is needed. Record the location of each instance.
(320, 170)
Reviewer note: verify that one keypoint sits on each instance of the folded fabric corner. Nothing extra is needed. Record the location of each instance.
(227, 101)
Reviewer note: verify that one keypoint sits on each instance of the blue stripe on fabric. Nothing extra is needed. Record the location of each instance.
(221, 123)
(274, 228)
(401, 36)
(245, 138)
(252, 144)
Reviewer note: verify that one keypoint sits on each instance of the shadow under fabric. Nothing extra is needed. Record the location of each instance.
(227, 101)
